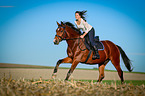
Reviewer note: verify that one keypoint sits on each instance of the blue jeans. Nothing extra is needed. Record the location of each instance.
(90, 36)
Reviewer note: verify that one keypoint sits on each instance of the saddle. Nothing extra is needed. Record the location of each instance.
(99, 44)
(89, 47)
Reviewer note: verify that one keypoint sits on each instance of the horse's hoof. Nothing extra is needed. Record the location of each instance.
(53, 75)
(66, 80)
(122, 82)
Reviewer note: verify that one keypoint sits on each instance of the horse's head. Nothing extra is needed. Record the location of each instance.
(66, 31)
(60, 33)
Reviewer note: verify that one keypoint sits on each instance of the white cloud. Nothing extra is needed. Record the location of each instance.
(6, 6)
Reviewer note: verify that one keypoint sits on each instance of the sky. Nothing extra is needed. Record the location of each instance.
(28, 27)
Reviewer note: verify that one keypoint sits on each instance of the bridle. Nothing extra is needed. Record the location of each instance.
(61, 38)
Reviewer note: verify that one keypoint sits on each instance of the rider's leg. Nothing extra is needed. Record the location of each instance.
(91, 35)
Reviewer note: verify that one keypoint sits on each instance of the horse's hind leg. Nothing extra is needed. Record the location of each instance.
(116, 63)
(101, 70)
(65, 60)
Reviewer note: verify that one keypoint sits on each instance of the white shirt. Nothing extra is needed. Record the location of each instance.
(84, 26)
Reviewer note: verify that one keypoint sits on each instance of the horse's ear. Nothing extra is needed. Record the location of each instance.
(62, 23)
(57, 23)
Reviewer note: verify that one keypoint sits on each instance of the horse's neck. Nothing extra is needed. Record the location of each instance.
(72, 43)
(72, 35)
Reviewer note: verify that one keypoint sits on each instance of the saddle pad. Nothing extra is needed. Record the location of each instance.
(99, 45)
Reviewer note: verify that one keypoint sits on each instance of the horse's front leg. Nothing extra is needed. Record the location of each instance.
(73, 66)
(65, 60)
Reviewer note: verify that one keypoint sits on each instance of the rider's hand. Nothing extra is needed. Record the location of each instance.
(81, 36)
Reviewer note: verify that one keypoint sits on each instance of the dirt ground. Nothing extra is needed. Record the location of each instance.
(18, 73)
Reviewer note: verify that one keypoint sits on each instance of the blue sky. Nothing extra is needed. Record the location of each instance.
(27, 29)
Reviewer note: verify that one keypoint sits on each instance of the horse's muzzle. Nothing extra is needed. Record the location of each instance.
(56, 42)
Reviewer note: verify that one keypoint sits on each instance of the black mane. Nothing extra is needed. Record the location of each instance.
(73, 27)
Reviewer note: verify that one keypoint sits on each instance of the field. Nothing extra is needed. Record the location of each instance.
(17, 80)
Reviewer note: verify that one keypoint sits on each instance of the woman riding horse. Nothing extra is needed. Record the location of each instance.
(75, 54)
(88, 30)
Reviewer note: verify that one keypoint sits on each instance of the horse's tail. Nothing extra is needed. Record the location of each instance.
(126, 60)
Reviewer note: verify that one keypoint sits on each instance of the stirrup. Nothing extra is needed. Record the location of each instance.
(96, 56)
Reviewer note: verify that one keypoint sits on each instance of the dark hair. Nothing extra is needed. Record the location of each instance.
(82, 14)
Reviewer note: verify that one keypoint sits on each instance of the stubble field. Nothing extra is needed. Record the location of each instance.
(26, 81)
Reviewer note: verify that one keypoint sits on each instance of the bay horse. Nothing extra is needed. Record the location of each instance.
(76, 54)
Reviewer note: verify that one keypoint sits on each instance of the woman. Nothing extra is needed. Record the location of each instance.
(88, 31)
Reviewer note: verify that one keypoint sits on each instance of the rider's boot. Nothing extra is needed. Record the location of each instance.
(95, 53)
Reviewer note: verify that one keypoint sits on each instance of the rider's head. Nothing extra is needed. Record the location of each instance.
(80, 14)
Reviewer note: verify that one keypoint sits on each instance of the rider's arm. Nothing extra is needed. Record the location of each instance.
(82, 36)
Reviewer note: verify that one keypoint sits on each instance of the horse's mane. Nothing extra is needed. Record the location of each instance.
(73, 27)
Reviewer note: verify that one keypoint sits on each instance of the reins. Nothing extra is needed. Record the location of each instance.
(62, 38)
(78, 42)
(79, 46)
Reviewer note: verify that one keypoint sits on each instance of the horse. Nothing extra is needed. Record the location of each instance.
(77, 52)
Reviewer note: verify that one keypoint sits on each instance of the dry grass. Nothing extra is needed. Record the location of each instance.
(22, 87)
